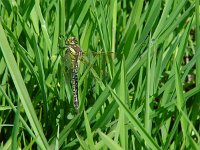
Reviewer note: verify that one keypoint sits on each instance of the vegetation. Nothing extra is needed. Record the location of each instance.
(143, 93)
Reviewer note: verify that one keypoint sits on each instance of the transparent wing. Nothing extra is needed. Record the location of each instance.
(66, 61)
(94, 75)
(97, 64)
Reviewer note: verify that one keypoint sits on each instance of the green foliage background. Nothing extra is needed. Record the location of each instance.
(143, 93)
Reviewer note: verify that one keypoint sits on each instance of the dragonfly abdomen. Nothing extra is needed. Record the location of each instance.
(75, 86)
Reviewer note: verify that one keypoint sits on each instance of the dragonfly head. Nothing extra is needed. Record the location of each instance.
(73, 47)
(72, 41)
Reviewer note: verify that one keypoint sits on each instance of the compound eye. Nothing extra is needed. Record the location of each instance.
(74, 41)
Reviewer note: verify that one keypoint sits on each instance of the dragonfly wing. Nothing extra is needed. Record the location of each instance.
(96, 65)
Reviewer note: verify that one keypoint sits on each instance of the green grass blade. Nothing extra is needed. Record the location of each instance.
(180, 101)
(123, 93)
(149, 140)
(82, 142)
(109, 142)
(22, 91)
(89, 132)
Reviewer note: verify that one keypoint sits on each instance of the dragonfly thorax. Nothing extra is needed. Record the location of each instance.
(75, 50)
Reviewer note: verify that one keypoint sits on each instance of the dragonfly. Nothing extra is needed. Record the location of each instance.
(74, 54)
